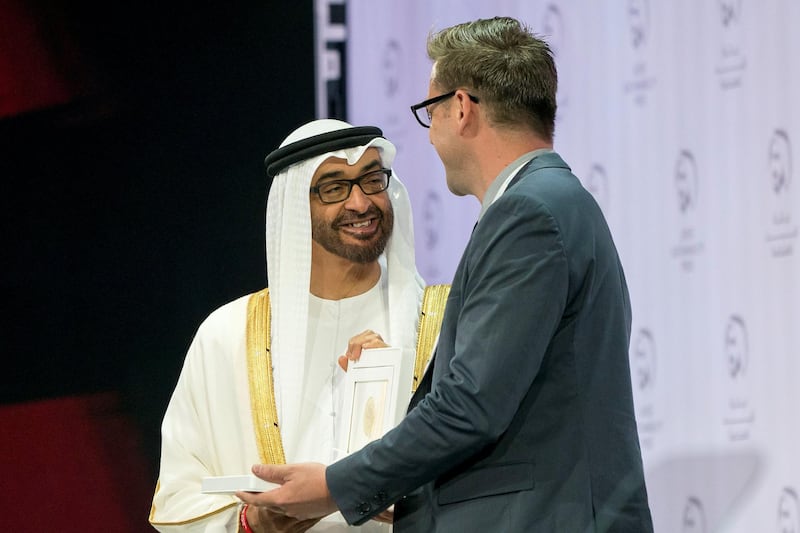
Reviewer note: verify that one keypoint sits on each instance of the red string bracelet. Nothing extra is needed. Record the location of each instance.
(243, 520)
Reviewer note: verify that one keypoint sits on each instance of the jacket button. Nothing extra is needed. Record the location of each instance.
(380, 497)
(364, 508)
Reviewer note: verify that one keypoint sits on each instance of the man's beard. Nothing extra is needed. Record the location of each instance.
(326, 234)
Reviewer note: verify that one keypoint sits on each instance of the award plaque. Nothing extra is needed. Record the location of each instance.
(371, 394)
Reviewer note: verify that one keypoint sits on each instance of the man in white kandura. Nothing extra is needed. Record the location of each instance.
(261, 383)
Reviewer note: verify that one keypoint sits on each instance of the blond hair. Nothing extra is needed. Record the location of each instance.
(499, 60)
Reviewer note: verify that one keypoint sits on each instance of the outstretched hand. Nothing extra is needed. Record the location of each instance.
(303, 493)
(365, 339)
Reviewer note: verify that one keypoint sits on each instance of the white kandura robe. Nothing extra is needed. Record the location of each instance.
(208, 426)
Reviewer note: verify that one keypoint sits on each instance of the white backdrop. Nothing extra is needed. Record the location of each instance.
(682, 118)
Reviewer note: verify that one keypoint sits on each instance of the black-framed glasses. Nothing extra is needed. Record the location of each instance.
(372, 182)
(423, 114)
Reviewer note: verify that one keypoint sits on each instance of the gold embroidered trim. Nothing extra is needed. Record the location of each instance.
(259, 370)
(153, 504)
(430, 323)
(201, 517)
(183, 522)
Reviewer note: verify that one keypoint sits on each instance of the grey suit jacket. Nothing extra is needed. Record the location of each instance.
(524, 421)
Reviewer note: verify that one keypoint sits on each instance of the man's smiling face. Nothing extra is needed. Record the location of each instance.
(358, 228)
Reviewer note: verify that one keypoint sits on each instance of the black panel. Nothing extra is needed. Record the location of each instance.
(135, 209)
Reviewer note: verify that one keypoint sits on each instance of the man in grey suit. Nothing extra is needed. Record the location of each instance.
(524, 420)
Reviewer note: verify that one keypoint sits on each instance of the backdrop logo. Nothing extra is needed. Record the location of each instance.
(788, 512)
(739, 416)
(781, 229)
(644, 366)
(596, 183)
(390, 68)
(431, 225)
(687, 189)
(554, 31)
(639, 20)
(731, 63)
(394, 123)
(390, 92)
(686, 183)
(641, 81)
(694, 516)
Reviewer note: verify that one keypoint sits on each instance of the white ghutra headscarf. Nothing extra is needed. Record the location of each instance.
(289, 256)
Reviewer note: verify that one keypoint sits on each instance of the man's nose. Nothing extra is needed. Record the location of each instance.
(357, 201)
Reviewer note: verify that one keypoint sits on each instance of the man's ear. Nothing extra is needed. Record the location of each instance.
(467, 110)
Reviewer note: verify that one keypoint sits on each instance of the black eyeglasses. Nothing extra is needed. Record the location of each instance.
(372, 182)
(424, 119)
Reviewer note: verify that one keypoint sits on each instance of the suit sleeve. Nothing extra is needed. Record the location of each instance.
(509, 304)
